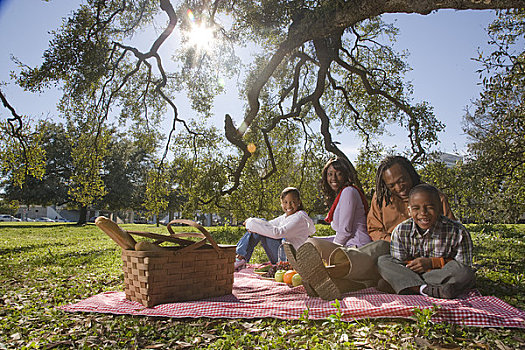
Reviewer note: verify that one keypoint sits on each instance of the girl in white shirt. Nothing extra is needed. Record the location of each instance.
(294, 226)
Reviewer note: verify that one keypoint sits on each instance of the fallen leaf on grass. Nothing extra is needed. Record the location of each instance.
(423, 343)
(361, 343)
(482, 345)
(428, 345)
(501, 346)
(209, 336)
(183, 344)
(451, 346)
(155, 346)
(518, 339)
(58, 343)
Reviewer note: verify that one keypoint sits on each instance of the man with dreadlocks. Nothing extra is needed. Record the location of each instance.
(395, 178)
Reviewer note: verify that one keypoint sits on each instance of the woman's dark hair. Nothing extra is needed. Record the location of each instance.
(382, 191)
(339, 164)
(295, 191)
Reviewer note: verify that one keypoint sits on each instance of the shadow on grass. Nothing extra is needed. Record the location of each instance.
(29, 248)
(489, 287)
(93, 257)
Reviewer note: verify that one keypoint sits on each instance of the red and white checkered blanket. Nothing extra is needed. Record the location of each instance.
(254, 297)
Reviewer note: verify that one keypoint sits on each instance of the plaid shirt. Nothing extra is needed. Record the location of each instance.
(447, 239)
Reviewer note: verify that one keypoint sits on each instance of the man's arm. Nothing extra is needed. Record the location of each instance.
(446, 207)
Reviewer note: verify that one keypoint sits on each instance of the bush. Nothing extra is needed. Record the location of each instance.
(324, 230)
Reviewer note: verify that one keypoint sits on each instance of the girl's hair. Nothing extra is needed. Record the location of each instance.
(339, 164)
(382, 191)
(295, 192)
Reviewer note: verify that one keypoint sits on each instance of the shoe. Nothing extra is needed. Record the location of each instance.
(290, 252)
(239, 264)
(447, 291)
(311, 268)
(385, 287)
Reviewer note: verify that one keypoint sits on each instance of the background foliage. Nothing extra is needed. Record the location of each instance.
(302, 86)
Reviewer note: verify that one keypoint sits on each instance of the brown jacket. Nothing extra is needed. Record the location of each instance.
(382, 221)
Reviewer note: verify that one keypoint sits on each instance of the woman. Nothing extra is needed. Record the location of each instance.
(348, 209)
(350, 254)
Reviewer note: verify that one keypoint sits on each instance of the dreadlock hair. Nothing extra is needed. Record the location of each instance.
(295, 192)
(339, 164)
(382, 191)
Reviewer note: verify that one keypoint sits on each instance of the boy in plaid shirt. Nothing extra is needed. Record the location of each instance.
(430, 254)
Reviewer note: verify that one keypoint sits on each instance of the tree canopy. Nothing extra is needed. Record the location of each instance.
(496, 127)
(323, 67)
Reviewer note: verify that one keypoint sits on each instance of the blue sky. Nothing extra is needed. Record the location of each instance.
(441, 47)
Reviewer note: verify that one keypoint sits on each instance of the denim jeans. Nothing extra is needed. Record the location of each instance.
(271, 246)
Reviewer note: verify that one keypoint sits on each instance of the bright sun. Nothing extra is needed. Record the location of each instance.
(200, 35)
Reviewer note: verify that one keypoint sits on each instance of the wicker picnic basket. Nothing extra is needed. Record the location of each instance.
(190, 271)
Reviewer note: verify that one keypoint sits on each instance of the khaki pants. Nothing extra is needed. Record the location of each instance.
(362, 262)
(401, 277)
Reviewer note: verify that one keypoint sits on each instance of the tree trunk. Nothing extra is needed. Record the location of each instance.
(82, 216)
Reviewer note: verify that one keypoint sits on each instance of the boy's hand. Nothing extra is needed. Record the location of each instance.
(420, 265)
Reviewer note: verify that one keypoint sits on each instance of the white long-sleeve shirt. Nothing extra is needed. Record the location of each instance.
(294, 228)
(349, 220)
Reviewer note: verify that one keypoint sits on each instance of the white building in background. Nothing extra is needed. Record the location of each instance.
(449, 159)
(58, 213)
(33, 212)
(52, 212)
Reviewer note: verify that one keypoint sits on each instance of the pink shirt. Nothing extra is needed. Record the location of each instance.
(350, 219)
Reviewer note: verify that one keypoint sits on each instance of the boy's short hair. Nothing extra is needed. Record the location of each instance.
(433, 191)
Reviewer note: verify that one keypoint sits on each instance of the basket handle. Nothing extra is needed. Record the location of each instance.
(200, 228)
(162, 238)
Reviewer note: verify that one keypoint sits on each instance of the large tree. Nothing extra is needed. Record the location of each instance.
(52, 186)
(496, 127)
(125, 170)
(325, 65)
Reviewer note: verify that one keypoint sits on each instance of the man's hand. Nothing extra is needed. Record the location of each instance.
(420, 265)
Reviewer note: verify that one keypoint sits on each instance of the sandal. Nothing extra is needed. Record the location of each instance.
(311, 268)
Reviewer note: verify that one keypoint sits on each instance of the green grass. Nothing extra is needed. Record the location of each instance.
(43, 266)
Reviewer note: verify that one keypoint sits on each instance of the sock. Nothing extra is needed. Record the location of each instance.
(421, 288)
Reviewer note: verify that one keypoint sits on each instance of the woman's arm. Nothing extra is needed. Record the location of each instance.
(346, 215)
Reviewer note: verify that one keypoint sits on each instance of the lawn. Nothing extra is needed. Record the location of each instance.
(44, 265)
